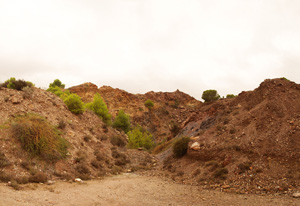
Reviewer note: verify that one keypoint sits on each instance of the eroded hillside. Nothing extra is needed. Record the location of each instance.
(94, 149)
(250, 143)
(163, 121)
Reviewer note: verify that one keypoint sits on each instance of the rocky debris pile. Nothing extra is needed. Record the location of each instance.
(249, 144)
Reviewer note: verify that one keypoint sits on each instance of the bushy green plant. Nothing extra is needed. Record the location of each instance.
(38, 137)
(230, 96)
(180, 146)
(57, 83)
(74, 103)
(122, 121)
(99, 107)
(149, 104)
(55, 90)
(210, 95)
(12, 83)
(138, 138)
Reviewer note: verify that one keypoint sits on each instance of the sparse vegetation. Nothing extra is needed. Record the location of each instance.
(149, 104)
(243, 167)
(83, 171)
(61, 124)
(4, 177)
(28, 91)
(122, 121)
(221, 173)
(3, 161)
(210, 95)
(175, 129)
(39, 177)
(180, 146)
(117, 141)
(38, 137)
(99, 107)
(140, 138)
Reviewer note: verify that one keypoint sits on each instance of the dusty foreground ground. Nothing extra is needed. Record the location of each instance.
(130, 189)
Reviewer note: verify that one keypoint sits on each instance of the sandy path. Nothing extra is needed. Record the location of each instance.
(131, 189)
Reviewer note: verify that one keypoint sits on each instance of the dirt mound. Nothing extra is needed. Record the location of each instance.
(92, 151)
(163, 121)
(250, 143)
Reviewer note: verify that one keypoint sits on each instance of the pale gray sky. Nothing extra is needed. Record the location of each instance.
(144, 45)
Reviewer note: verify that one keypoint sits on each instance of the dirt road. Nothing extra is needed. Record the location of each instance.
(130, 189)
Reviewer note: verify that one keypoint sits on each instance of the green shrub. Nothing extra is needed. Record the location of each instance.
(210, 95)
(149, 104)
(230, 96)
(122, 121)
(99, 107)
(38, 137)
(74, 104)
(56, 90)
(138, 138)
(12, 83)
(57, 83)
(180, 146)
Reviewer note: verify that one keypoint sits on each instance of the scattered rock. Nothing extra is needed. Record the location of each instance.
(50, 182)
(296, 195)
(195, 146)
(78, 180)
(16, 100)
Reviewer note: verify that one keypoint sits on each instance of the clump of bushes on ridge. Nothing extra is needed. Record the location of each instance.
(210, 95)
(12, 83)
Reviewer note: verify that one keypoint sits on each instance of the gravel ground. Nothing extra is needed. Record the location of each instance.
(130, 189)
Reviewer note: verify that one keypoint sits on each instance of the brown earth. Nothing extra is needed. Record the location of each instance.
(254, 137)
(248, 144)
(170, 108)
(131, 189)
(90, 152)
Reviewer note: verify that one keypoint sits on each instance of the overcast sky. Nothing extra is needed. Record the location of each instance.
(151, 45)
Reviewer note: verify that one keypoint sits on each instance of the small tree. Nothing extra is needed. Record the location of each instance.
(122, 121)
(99, 107)
(210, 95)
(230, 96)
(57, 83)
(139, 138)
(149, 104)
(74, 104)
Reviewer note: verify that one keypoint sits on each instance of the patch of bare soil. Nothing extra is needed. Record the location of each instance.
(130, 189)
